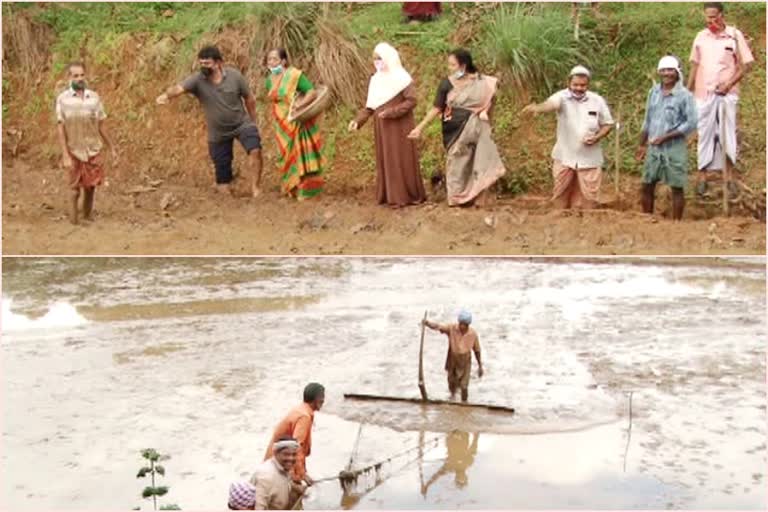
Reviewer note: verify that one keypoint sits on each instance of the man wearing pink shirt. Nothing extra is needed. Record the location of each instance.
(720, 58)
(462, 341)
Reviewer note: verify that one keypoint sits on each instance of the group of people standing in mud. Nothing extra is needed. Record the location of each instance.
(464, 102)
(281, 480)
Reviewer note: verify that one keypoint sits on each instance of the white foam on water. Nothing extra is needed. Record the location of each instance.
(60, 314)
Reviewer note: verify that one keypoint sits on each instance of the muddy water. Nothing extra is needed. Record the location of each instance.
(199, 358)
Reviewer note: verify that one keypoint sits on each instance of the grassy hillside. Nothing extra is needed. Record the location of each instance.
(134, 50)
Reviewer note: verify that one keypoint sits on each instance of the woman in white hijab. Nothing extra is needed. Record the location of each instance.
(391, 100)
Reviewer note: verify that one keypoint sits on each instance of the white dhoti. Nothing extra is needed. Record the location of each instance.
(715, 114)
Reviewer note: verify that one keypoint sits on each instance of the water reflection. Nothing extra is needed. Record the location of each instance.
(460, 455)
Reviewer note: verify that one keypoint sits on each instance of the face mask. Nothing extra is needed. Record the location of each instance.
(77, 85)
(714, 28)
(378, 64)
(207, 72)
(459, 74)
(577, 94)
(276, 70)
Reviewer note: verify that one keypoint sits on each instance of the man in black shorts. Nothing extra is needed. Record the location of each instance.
(224, 94)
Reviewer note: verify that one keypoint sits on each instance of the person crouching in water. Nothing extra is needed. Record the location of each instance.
(275, 488)
(462, 341)
(670, 117)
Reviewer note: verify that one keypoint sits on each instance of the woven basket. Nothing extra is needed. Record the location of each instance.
(322, 101)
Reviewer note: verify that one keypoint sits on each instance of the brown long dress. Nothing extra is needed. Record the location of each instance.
(398, 175)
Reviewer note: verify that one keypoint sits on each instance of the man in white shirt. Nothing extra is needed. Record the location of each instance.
(583, 120)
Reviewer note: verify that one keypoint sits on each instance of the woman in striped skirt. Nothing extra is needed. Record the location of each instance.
(300, 144)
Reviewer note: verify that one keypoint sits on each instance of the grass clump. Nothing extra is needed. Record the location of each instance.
(533, 48)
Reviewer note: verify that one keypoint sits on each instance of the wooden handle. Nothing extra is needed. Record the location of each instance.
(422, 387)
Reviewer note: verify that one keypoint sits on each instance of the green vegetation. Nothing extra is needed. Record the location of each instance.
(154, 491)
(534, 48)
(136, 48)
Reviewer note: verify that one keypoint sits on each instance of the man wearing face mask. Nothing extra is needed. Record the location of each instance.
(583, 120)
(720, 58)
(225, 96)
(670, 116)
(80, 116)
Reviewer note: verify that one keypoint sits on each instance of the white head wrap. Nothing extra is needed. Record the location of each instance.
(580, 70)
(670, 62)
(389, 82)
(285, 443)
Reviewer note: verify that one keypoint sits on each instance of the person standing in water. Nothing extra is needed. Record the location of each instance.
(298, 425)
(80, 124)
(230, 112)
(391, 100)
(462, 341)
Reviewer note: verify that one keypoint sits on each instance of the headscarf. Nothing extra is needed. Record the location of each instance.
(242, 496)
(465, 317)
(312, 391)
(282, 444)
(387, 84)
(671, 62)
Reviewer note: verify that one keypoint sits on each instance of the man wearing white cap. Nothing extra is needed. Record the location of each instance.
(720, 58)
(462, 341)
(273, 479)
(670, 117)
(583, 120)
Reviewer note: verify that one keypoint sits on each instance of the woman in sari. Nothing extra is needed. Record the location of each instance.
(300, 144)
(464, 101)
(391, 100)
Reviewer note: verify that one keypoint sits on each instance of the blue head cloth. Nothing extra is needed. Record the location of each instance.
(465, 317)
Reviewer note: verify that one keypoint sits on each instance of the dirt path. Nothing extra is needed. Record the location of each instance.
(199, 222)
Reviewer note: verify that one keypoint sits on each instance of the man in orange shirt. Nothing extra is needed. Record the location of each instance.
(298, 425)
(462, 341)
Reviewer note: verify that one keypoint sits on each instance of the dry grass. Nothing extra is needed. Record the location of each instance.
(339, 64)
(469, 19)
(25, 44)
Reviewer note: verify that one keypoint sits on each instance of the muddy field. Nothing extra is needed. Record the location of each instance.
(132, 218)
(103, 357)
(158, 201)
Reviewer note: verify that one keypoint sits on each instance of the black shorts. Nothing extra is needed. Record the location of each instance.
(222, 152)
